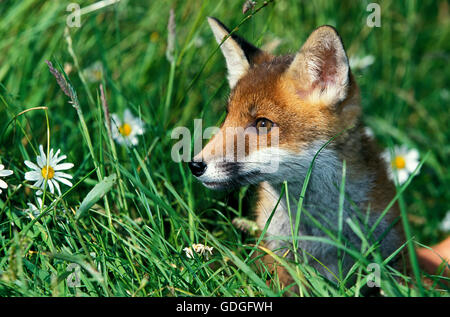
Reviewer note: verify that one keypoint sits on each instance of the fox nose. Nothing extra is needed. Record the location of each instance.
(197, 168)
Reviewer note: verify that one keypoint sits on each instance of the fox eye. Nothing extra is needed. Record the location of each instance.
(262, 123)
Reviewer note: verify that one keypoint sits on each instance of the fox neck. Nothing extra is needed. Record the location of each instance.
(321, 202)
(323, 188)
(322, 196)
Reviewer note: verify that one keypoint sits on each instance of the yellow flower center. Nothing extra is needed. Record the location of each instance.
(97, 74)
(125, 129)
(399, 162)
(47, 172)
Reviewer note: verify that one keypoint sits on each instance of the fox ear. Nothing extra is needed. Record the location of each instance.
(321, 67)
(239, 54)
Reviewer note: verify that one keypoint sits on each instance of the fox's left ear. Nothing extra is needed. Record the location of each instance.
(239, 54)
(321, 69)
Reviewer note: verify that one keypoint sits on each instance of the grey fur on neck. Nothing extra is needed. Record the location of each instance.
(321, 201)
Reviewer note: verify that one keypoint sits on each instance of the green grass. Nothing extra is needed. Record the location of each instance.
(130, 242)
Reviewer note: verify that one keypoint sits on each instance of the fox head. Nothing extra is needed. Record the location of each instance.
(279, 110)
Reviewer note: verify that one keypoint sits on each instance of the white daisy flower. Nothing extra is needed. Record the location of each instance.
(189, 252)
(403, 160)
(51, 172)
(125, 132)
(445, 224)
(94, 73)
(4, 173)
(33, 209)
(199, 249)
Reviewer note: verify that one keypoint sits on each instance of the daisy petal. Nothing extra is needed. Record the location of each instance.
(6, 172)
(413, 155)
(32, 176)
(53, 158)
(64, 181)
(3, 184)
(50, 156)
(50, 186)
(57, 186)
(32, 165)
(39, 183)
(121, 140)
(411, 166)
(402, 176)
(386, 156)
(64, 166)
(115, 121)
(138, 128)
(41, 162)
(59, 159)
(62, 174)
(43, 156)
(128, 116)
(401, 150)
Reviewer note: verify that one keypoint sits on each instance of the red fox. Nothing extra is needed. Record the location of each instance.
(308, 99)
